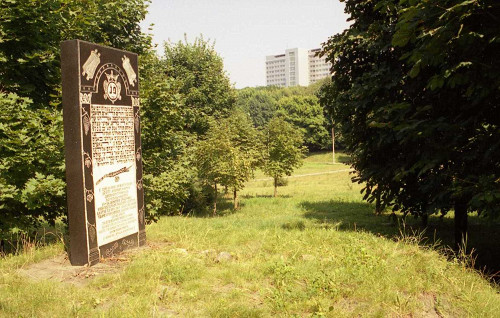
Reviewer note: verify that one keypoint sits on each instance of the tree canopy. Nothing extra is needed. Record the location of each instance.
(203, 84)
(283, 149)
(31, 33)
(415, 90)
(306, 113)
(182, 93)
(298, 105)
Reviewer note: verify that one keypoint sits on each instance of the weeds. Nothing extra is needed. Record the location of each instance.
(316, 251)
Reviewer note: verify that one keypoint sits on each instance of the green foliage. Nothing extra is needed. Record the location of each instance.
(284, 150)
(31, 32)
(416, 90)
(181, 94)
(259, 104)
(298, 105)
(32, 187)
(203, 84)
(167, 174)
(306, 113)
(31, 171)
(229, 152)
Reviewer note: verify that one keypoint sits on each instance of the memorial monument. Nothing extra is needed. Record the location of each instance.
(103, 151)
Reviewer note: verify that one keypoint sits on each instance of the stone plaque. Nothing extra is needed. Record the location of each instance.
(103, 150)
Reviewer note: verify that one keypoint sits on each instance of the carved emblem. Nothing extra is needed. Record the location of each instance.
(138, 154)
(135, 101)
(86, 121)
(89, 195)
(114, 174)
(92, 232)
(112, 87)
(91, 64)
(111, 250)
(141, 215)
(85, 98)
(132, 77)
(128, 243)
(139, 184)
(136, 121)
(87, 159)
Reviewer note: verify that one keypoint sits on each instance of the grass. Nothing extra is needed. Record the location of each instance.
(317, 250)
(316, 163)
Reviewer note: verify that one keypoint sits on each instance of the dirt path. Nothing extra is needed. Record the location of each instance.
(59, 269)
(306, 175)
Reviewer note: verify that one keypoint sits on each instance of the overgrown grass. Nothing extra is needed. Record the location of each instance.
(317, 250)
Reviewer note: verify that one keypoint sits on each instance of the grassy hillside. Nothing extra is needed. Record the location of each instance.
(317, 250)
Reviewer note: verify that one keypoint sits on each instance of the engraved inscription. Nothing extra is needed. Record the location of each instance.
(112, 134)
(114, 172)
(117, 201)
(116, 212)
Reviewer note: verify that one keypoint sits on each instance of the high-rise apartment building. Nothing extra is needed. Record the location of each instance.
(296, 67)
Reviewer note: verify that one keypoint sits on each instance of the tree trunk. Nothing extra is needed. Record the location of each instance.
(2, 248)
(215, 199)
(460, 225)
(378, 208)
(425, 219)
(275, 187)
(333, 145)
(235, 196)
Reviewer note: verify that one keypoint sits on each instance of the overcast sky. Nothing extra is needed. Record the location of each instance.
(246, 31)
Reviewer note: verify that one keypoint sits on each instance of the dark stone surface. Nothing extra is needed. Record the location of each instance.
(103, 150)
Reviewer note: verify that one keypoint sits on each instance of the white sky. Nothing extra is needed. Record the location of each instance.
(246, 31)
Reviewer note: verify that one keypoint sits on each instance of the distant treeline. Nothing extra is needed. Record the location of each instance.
(298, 105)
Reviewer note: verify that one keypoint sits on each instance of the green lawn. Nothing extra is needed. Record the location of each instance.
(317, 250)
(316, 163)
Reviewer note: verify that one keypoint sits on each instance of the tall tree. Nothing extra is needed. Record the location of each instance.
(228, 154)
(452, 48)
(407, 103)
(247, 150)
(182, 93)
(204, 85)
(215, 157)
(284, 150)
(168, 173)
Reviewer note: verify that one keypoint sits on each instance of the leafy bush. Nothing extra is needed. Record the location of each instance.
(181, 94)
(32, 187)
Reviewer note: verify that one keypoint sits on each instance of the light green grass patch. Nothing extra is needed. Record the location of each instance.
(316, 250)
